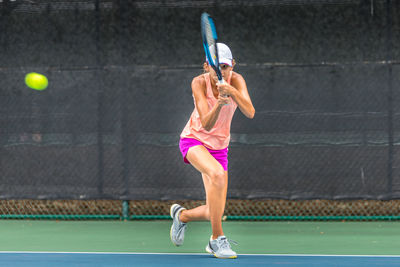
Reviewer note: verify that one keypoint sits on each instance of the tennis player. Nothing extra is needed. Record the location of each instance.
(204, 144)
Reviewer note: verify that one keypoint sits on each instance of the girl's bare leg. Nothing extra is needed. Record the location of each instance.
(200, 213)
(215, 182)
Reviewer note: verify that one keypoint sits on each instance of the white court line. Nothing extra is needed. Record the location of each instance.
(148, 253)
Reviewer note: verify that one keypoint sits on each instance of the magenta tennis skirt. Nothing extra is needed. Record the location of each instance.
(220, 155)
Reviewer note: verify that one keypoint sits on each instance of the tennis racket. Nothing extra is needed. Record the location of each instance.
(209, 34)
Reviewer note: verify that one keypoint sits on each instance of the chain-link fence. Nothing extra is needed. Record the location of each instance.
(236, 209)
(323, 76)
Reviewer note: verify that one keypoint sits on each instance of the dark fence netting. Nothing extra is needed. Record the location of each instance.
(323, 77)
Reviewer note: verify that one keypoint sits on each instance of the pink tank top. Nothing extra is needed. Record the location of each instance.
(219, 136)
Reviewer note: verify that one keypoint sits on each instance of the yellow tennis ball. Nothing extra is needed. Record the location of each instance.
(36, 81)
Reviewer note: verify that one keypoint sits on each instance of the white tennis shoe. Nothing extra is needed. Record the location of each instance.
(177, 232)
(221, 248)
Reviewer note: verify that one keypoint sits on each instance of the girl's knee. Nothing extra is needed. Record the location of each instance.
(207, 213)
(218, 178)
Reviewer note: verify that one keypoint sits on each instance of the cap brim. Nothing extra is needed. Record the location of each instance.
(225, 61)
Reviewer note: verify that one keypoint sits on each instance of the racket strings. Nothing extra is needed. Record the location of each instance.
(210, 39)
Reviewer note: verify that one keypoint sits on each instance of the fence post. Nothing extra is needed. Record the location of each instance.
(125, 210)
(390, 94)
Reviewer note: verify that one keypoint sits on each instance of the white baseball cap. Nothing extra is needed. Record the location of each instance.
(224, 54)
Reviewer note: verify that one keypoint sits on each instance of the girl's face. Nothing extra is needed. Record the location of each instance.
(225, 70)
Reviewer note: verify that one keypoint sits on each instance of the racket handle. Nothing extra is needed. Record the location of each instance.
(223, 81)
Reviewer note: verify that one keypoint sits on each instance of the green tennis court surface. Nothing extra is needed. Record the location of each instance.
(146, 243)
(330, 238)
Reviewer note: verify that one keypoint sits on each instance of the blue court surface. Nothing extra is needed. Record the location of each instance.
(149, 259)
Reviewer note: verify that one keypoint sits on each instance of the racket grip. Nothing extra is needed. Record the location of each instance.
(222, 81)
